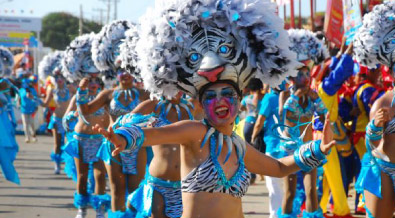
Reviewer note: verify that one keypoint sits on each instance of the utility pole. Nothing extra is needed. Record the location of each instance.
(108, 9)
(115, 9)
(101, 11)
(81, 24)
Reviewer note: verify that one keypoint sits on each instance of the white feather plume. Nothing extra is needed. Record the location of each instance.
(6, 62)
(254, 23)
(307, 46)
(49, 63)
(369, 39)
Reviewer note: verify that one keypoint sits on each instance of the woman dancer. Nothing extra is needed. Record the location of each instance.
(51, 66)
(124, 172)
(161, 188)
(8, 146)
(298, 111)
(373, 44)
(77, 64)
(211, 58)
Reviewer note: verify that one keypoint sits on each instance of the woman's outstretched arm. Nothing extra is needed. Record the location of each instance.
(259, 163)
(182, 132)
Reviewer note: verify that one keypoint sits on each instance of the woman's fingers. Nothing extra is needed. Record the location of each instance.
(325, 148)
(116, 151)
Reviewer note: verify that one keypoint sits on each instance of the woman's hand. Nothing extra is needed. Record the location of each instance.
(118, 141)
(84, 84)
(381, 117)
(327, 139)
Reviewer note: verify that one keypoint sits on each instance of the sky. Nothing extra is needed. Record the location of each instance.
(127, 9)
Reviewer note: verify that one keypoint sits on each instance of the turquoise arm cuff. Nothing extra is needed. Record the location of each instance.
(82, 97)
(309, 155)
(133, 135)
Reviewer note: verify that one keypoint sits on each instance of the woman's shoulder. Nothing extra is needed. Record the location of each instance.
(146, 107)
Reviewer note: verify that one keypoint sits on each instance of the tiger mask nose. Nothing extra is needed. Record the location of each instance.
(212, 74)
(211, 66)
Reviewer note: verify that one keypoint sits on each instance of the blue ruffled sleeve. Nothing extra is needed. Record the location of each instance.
(343, 71)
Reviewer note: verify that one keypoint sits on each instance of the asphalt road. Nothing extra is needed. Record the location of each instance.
(43, 194)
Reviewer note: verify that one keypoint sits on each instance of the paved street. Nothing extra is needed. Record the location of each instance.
(43, 194)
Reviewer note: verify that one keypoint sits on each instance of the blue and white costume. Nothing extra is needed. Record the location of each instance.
(374, 44)
(8, 145)
(142, 198)
(51, 66)
(77, 64)
(188, 45)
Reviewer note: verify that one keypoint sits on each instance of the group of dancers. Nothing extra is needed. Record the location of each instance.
(157, 109)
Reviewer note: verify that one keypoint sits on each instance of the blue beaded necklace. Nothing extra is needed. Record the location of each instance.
(127, 93)
(216, 142)
(164, 107)
(65, 92)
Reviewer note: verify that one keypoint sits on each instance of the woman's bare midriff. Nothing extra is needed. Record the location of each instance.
(61, 108)
(166, 164)
(195, 205)
(102, 120)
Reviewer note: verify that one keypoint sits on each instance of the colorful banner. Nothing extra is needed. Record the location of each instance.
(333, 27)
(14, 39)
(352, 18)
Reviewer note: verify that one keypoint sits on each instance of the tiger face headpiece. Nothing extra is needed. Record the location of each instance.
(307, 46)
(77, 62)
(374, 41)
(6, 62)
(106, 47)
(187, 44)
(50, 65)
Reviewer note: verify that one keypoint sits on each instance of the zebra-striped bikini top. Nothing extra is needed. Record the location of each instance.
(116, 108)
(209, 175)
(208, 178)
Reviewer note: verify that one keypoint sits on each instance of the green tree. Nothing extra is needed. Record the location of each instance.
(59, 29)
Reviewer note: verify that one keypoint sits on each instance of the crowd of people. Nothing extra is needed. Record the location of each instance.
(184, 110)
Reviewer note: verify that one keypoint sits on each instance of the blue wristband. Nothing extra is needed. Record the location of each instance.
(309, 155)
(126, 136)
(82, 97)
(133, 135)
(373, 132)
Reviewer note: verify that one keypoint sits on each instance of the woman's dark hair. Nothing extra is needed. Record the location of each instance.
(255, 84)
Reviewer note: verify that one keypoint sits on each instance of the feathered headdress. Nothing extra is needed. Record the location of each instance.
(6, 62)
(374, 42)
(51, 63)
(307, 46)
(128, 55)
(106, 47)
(77, 62)
(186, 44)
